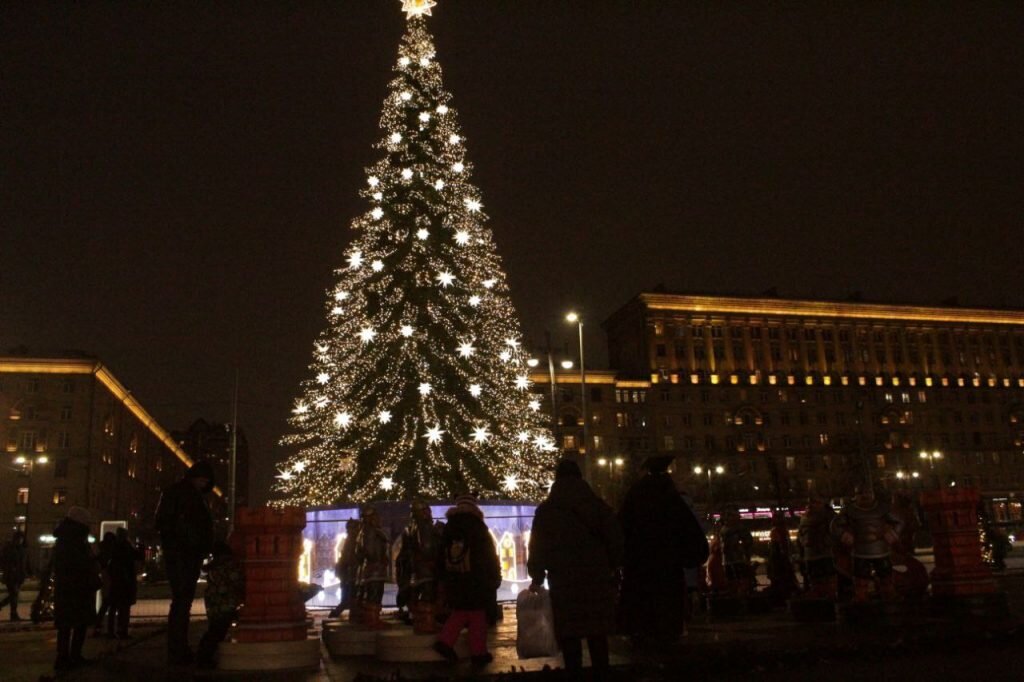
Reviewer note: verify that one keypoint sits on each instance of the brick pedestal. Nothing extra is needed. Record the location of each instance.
(269, 543)
(962, 584)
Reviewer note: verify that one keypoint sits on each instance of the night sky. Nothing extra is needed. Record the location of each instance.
(176, 179)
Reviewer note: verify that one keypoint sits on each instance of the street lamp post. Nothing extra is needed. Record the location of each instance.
(572, 317)
(614, 474)
(719, 469)
(28, 465)
(931, 458)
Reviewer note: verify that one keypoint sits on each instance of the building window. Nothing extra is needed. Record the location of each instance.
(659, 328)
(133, 444)
(63, 440)
(660, 350)
(65, 413)
(669, 442)
(880, 461)
(32, 385)
(595, 395)
(790, 463)
(108, 425)
(22, 497)
(60, 467)
(60, 495)
(598, 443)
(568, 441)
(68, 386)
(27, 442)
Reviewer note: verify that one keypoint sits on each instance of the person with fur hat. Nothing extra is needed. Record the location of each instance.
(662, 538)
(470, 573)
(186, 538)
(576, 544)
(76, 577)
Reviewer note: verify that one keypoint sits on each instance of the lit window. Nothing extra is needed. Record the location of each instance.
(790, 463)
(22, 497)
(60, 495)
(880, 461)
(65, 413)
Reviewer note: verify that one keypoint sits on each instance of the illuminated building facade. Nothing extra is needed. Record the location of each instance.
(74, 435)
(790, 397)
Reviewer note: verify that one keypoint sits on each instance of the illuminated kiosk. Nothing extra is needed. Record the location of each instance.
(509, 524)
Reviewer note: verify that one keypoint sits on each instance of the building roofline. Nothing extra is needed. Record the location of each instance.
(736, 305)
(25, 365)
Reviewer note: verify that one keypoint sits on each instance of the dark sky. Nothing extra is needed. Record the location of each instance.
(176, 179)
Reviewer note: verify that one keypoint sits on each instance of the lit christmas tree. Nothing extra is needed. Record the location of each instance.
(419, 384)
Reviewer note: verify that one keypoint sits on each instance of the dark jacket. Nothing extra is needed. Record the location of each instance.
(468, 563)
(14, 562)
(76, 576)
(577, 543)
(663, 539)
(121, 568)
(184, 521)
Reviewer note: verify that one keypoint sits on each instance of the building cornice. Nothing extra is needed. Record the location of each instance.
(104, 376)
(723, 305)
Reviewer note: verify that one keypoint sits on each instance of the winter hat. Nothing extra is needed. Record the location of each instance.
(467, 503)
(568, 467)
(80, 515)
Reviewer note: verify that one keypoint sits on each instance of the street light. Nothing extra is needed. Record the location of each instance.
(613, 465)
(27, 465)
(566, 364)
(718, 469)
(574, 318)
(931, 457)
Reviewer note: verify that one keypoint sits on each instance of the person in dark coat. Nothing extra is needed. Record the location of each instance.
(123, 580)
(662, 539)
(186, 537)
(345, 570)
(470, 573)
(576, 543)
(14, 562)
(76, 578)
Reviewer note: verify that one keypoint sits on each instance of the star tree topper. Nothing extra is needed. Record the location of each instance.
(415, 8)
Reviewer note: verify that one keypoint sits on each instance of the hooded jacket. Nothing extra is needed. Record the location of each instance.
(76, 576)
(468, 564)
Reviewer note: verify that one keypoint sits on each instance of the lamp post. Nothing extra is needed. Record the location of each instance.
(931, 458)
(718, 469)
(533, 363)
(572, 317)
(614, 474)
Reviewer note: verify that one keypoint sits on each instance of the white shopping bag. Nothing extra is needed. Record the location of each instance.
(535, 631)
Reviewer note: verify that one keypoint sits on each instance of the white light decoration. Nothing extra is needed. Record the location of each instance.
(474, 301)
(462, 237)
(505, 356)
(522, 382)
(377, 213)
(340, 295)
(445, 279)
(342, 419)
(475, 390)
(523, 437)
(395, 138)
(425, 389)
(320, 403)
(481, 434)
(366, 334)
(404, 61)
(387, 483)
(378, 196)
(416, 8)
(355, 259)
(534, 405)
(433, 434)
(300, 408)
(323, 377)
(512, 343)
(454, 139)
(321, 348)
(473, 205)
(458, 167)
(442, 109)
(405, 96)
(489, 283)
(439, 185)
(373, 180)
(511, 483)
(424, 116)
(284, 474)
(422, 233)
(406, 331)
(466, 349)
(299, 466)
(424, 61)
(377, 265)
(407, 173)
(337, 310)
(384, 416)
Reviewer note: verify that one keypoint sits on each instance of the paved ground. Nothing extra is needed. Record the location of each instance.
(768, 647)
